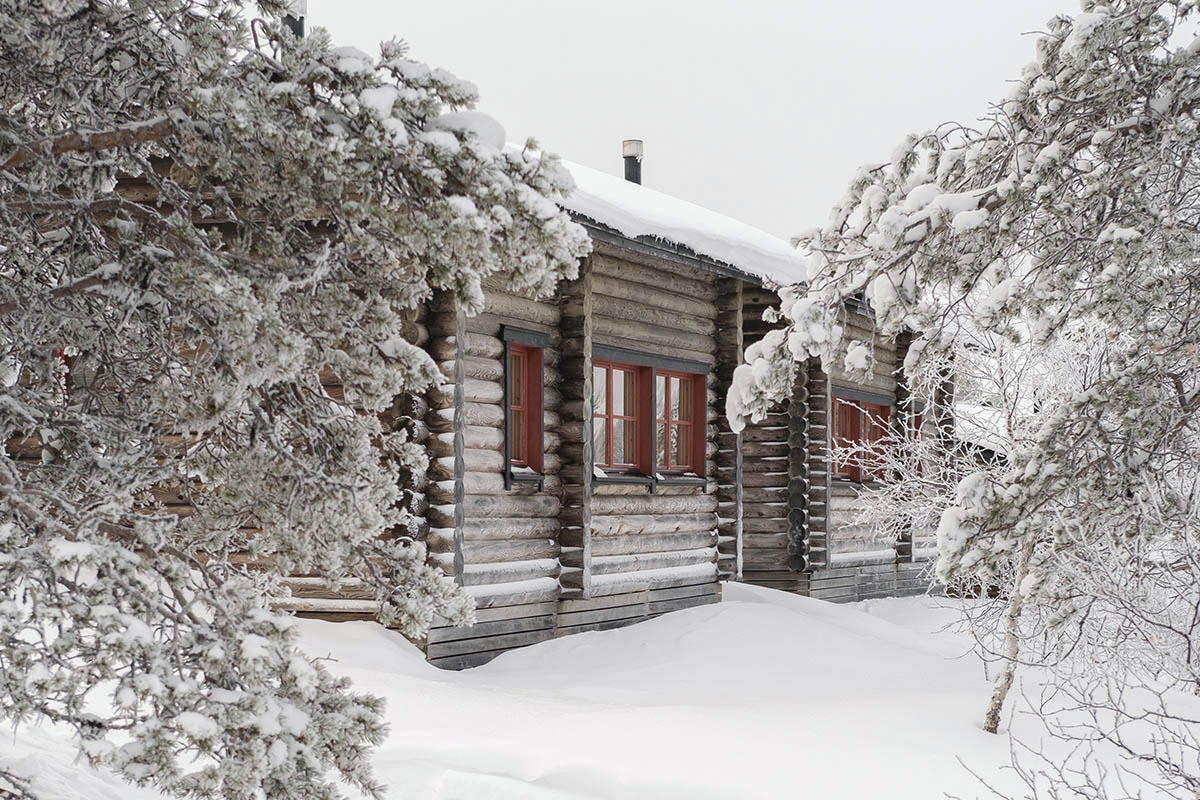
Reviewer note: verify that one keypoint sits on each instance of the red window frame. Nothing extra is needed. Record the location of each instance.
(642, 413)
(525, 407)
(634, 415)
(693, 428)
(858, 422)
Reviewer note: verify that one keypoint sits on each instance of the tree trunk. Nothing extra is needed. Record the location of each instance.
(1012, 619)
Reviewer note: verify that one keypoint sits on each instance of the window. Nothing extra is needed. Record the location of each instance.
(648, 418)
(525, 406)
(679, 423)
(615, 416)
(523, 441)
(861, 423)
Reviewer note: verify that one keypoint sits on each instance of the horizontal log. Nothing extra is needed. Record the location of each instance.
(774, 435)
(775, 510)
(764, 541)
(773, 558)
(765, 525)
(473, 461)
(489, 369)
(654, 297)
(441, 420)
(681, 279)
(445, 348)
(475, 437)
(510, 505)
(443, 653)
(616, 308)
(520, 310)
(634, 562)
(619, 524)
(641, 543)
(485, 484)
(509, 571)
(652, 331)
(484, 631)
(620, 583)
(653, 504)
(501, 550)
(759, 296)
(765, 479)
(614, 340)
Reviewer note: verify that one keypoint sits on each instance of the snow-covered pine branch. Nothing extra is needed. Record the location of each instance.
(193, 233)
(1073, 205)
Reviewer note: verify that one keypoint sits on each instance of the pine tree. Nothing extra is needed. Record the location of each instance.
(200, 216)
(1073, 205)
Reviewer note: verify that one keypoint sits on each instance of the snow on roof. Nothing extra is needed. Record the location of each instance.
(635, 210)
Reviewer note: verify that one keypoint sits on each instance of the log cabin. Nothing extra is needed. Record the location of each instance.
(582, 475)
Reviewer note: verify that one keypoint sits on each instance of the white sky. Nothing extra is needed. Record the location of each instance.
(758, 109)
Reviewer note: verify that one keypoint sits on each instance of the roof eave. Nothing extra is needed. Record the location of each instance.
(652, 247)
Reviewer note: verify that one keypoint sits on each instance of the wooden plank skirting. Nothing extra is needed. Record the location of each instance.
(503, 628)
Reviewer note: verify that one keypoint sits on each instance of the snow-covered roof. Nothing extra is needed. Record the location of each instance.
(635, 210)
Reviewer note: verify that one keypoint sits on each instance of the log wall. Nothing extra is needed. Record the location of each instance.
(501, 544)
(850, 541)
(666, 539)
(582, 554)
(766, 450)
(851, 562)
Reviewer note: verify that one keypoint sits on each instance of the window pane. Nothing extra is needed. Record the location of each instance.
(623, 402)
(599, 390)
(684, 394)
(517, 379)
(599, 441)
(624, 441)
(660, 394)
(680, 445)
(660, 446)
(517, 436)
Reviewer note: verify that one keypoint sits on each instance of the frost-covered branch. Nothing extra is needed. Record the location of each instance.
(1072, 208)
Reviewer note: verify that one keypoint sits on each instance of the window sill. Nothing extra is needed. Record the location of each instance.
(682, 480)
(651, 484)
(644, 480)
(512, 478)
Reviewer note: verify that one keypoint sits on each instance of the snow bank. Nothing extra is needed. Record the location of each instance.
(764, 695)
(636, 210)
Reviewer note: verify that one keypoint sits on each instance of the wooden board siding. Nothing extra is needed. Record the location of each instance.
(851, 584)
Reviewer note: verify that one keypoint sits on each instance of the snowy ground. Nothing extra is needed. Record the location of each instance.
(763, 695)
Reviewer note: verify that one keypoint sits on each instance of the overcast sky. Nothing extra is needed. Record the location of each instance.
(760, 110)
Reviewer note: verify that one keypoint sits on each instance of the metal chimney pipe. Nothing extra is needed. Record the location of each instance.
(631, 151)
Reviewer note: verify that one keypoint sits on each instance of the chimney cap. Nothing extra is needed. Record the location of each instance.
(632, 148)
